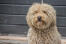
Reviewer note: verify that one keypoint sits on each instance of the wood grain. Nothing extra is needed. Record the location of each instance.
(22, 38)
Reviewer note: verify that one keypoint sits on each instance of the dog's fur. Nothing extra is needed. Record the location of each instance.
(44, 32)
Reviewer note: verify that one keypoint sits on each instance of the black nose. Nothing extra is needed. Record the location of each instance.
(39, 18)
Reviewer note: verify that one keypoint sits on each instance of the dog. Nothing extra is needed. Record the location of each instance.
(41, 19)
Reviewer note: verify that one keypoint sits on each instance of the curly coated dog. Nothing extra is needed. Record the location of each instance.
(41, 19)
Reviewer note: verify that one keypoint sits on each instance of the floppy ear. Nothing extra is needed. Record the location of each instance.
(52, 23)
(28, 19)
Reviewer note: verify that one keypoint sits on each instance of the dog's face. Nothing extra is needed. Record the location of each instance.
(41, 16)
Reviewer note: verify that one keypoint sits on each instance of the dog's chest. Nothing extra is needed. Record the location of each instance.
(42, 38)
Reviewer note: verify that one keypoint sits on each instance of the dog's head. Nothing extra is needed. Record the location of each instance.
(41, 16)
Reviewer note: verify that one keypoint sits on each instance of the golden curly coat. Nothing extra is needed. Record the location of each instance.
(41, 19)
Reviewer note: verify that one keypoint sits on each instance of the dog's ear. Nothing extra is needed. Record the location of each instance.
(53, 23)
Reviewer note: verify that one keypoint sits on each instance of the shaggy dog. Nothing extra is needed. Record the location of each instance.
(41, 19)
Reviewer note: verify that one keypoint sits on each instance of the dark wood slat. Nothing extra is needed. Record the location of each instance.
(3, 19)
(52, 2)
(62, 31)
(21, 9)
(21, 29)
(19, 1)
(13, 29)
(16, 19)
(61, 21)
(60, 10)
(13, 9)
(55, 2)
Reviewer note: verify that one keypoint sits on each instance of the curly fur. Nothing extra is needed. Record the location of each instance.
(44, 32)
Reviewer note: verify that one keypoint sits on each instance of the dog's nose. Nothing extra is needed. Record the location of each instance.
(39, 18)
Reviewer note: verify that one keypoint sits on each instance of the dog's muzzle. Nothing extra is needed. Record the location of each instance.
(39, 18)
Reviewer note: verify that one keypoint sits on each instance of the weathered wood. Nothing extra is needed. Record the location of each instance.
(55, 2)
(22, 38)
(22, 9)
(13, 9)
(63, 41)
(12, 15)
(19, 2)
(14, 29)
(13, 38)
(28, 2)
(21, 19)
(23, 29)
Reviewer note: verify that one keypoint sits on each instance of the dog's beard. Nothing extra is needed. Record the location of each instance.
(39, 25)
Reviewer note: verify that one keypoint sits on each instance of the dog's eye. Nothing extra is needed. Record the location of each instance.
(45, 12)
(36, 11)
